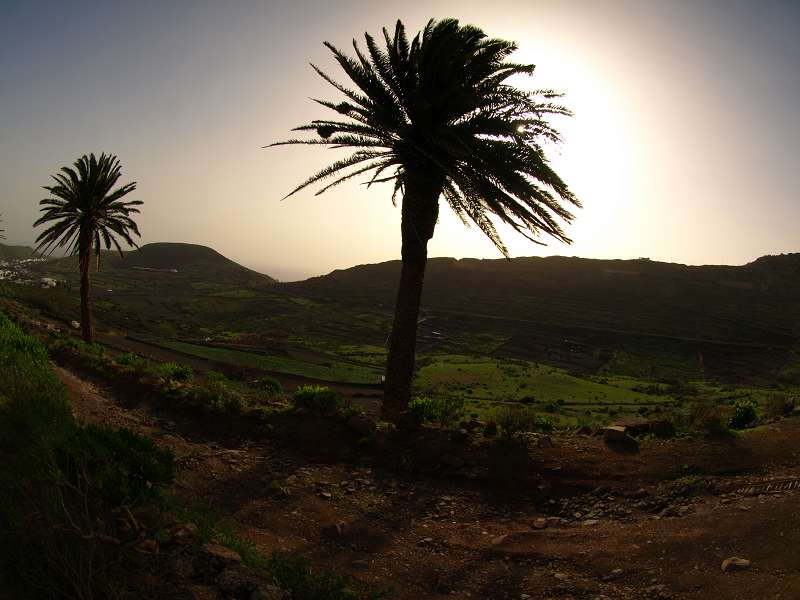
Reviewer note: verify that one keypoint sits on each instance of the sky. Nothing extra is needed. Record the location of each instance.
(683, 146)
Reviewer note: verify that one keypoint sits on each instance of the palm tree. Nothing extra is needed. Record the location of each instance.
(437, 118)
(2, 231)
(84, 212)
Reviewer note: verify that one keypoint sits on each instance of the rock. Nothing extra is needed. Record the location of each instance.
(789, 406)
(183, 533)
(585, 430)
(735, 564)
(362, 425)
(590, 522)
(452, 460)
(615, 433)
(544, 441)
(460, 435)
(221, 554)
(406, 422)
(496, 541)
(268, 592)
(425, 541)
(663, 429)
(540, 523)
(75, 324)
(335, 530)
(490, 430)
(147, 516)
(146, 546)
(561, 576)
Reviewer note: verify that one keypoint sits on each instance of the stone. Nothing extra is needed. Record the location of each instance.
(460, 435)
(75, 324)
(735, 564)
(268, 592)
(544, 441)
(540, 523)
(362, 425)
(452, 460)
(490, 430)
(335, 530)
(590, 522)
(221, 554)
(615, 433)
(146, 546)
(406, 422)
(496, 541)
(183, 533)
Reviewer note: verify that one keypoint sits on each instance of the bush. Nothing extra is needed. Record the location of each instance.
(60, 481)
(270, 385)
(177, 372)
(130, 359)
(121, 466)
(515, 420)
(317, 398)
(745, 413)
(443, 410)
(707, 416)
(216, 395)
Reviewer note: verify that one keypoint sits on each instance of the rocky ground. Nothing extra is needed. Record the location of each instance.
(435, 517)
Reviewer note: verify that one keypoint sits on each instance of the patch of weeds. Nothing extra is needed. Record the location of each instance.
(271, 386)
(745, 413)
(318, 398)
(443, 410)
(514, 420)
(177, 372)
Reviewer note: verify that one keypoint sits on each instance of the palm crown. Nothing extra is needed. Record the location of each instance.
(84, 212)
(438, 107)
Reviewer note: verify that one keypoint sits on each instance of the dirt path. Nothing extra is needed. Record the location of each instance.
(431, 536)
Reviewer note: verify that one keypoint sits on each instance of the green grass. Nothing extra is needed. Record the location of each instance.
(486, 382)
(333, 371)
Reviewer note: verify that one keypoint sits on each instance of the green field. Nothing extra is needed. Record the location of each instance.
(330, 371)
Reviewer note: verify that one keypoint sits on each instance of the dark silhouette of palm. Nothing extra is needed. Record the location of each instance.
(83, 214)
(2, 231)
(435, 117)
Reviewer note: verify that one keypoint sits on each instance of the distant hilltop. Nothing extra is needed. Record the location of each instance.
(193, 260)
(16, 252)
(754, 303)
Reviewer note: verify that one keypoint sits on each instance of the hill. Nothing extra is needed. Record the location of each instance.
(587, 313)
(185, 260)
(16, 252)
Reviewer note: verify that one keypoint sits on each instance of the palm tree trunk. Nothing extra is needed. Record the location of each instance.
(420, 212)
(86, 295)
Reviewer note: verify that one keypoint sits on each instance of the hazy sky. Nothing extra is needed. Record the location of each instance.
(684, 146)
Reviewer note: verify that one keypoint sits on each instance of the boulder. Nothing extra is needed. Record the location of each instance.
(735, 564)
(615, 433)
(790, 406)
(362, 425)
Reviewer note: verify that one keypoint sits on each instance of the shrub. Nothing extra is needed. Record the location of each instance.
(317, 398)
(270, 385)
(120, 465)
(177, 372)
(515, 420)
(707, 416)
(443, 410)
(59, 480)
(745, 413)
(130, 359)
(216, 376)
(216, 395)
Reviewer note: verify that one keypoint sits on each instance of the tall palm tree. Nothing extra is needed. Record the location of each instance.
(437, 117)
(2, 231)
(84, 212)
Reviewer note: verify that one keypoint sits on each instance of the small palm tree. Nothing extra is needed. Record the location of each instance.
(84, 213)
(436, 117)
